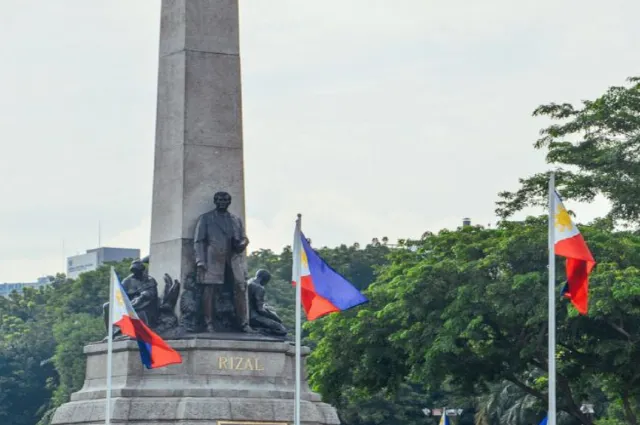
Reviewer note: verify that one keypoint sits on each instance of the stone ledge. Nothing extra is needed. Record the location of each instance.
(196, 393)
(204, 411)
(203, 343)
(210, 368)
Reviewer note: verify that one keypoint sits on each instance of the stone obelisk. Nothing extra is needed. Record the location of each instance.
(198, 149)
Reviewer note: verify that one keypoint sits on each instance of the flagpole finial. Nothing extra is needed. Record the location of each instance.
(299, 215)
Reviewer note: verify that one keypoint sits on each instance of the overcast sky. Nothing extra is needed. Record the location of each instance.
(370, 117)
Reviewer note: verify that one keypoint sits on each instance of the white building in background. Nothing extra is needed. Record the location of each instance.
(7, 288)
(94, 258)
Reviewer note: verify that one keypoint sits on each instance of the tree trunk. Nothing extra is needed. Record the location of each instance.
(571, 406)
(629, 414)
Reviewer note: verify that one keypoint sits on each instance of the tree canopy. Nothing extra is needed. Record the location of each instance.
(595, 150)
(468, 309)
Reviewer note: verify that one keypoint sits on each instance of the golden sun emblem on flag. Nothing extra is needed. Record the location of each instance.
(563, 219)
(303, 258)
(119, 298)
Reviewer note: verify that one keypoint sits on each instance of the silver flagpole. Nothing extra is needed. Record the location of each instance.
(297, 252)
(552, 303)
(107, 414)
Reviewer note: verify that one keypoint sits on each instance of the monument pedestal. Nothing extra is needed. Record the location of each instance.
(220, 382)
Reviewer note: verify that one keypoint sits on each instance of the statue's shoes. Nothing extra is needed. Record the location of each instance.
(249, 330)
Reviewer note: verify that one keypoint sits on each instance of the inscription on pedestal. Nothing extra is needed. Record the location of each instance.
(240, 363)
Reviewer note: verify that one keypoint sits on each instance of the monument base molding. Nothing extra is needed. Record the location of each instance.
(220, 382)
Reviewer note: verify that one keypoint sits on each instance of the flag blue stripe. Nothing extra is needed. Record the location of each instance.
(145, 353)
(329, 284)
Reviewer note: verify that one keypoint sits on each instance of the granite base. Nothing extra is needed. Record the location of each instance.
(220, 382)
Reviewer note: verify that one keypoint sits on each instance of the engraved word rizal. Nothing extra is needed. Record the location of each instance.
(239, 363)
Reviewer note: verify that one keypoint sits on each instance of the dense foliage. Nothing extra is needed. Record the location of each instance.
(42, 334)
(468, 309)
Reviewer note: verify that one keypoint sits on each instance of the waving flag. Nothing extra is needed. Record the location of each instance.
(444, 419)
(154, 352)
(324, 290)
(570, 244)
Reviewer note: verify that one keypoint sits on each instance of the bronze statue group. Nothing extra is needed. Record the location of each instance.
(220, 243)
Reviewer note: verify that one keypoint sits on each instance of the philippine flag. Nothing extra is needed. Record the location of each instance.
(154, 352)
(444, 419)
(323, 290)
(570, 244)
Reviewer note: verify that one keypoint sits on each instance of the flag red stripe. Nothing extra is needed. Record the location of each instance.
(315, 306)
(579, 264)
(578, 283)
(574, 247)
(160, 352)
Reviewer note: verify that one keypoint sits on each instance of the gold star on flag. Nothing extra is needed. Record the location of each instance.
(563, 219)
(119, 298)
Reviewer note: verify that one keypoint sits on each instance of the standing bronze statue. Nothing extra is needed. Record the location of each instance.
(220, 242)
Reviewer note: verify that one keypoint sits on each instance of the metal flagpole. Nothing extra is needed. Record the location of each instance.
(107, 414)
(297, 252)
(552, 303)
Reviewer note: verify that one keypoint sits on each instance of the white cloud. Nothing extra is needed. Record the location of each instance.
(136, 237)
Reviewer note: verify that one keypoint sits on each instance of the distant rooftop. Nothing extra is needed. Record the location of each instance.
(7, 288)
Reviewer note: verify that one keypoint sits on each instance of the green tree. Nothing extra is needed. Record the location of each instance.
(42, 335)
(71, 335)
(25, 345)
(468, 308)
(505, 403)
(596, 150)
